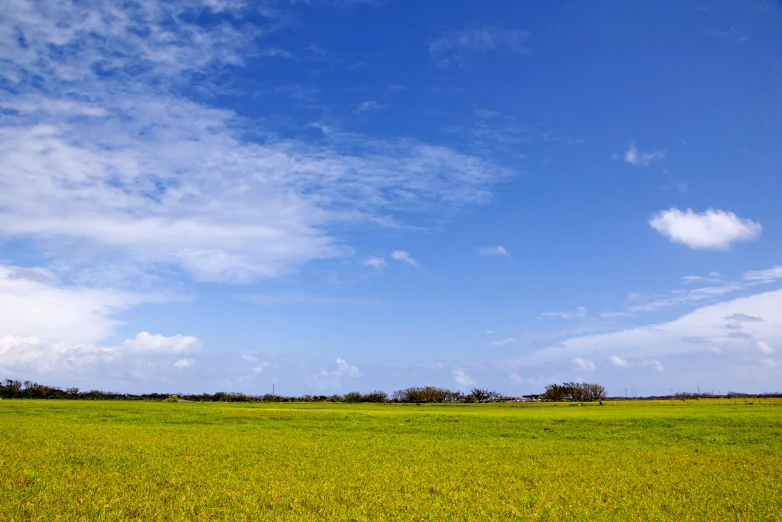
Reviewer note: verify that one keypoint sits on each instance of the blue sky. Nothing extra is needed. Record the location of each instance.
(336, 195)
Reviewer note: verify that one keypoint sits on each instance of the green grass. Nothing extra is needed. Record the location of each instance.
(73, 460)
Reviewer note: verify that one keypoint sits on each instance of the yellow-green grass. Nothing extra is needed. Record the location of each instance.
(82, 460)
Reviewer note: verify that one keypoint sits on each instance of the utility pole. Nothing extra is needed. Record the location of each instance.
(272, 389)
(671, 396)
(699, 394)
(625, 393)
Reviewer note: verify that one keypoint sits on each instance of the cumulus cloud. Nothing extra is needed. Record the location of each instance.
(764, 347)
(634, 156)
(149, 343)
(376, 262)
(618, 361)
(34, 304)
(712, 229)
(462, 379)
(581, 364)
(260, 368)
(56, 329)
(404, 257)
(183, 363)
(507, 340)
(332, 378)
(498, 250)
(144, 357)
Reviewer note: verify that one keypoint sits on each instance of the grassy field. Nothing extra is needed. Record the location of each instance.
(73, 460)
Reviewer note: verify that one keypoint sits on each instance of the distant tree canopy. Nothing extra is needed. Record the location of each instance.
(429, 394)
(574, 391)
(12, 389)
(569, 391)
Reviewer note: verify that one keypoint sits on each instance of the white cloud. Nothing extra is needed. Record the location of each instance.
(498, 250)
(144, 357)
(462, 379)
(713, 277)
(260, 368)
(572, 314)
(369, 105)
(633, 156)
(768, 363)
(507, 340)
(183, 363)
(618, 361)
(453, 46)
(143, 173)
(713, 229)
(581, 364)
(33, 304)
(404, 257)
(332, 378)
(249, 358)
(764, 276)
(346, 370)
(149, 343)
(290, 298)
(376, 261)
(714, 325)
(764, 347)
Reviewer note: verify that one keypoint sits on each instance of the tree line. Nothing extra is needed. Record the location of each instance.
(569, 391)
(13, 389)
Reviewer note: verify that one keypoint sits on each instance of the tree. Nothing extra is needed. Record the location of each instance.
(354, 397)
(574, 391)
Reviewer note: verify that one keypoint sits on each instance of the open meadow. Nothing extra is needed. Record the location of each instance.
(123, 460)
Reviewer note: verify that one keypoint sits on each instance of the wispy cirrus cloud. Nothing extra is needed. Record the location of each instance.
(291, 298)
(370, 105)
(404, 257)
(709, 328)
(498, 250)
(375, 261)
(720, 287)
(764, 276)
(126, 164)
(454, 46)
(568, 314)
